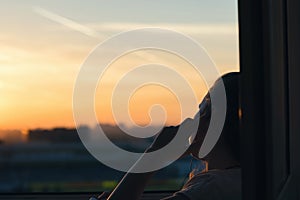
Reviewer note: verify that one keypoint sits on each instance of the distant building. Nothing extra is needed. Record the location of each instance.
(56, 135)
(11, 136)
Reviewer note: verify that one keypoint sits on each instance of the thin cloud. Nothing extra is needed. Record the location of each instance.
(222, 28)
(66, 22)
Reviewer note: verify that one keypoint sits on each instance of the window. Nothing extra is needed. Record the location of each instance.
(43, 47)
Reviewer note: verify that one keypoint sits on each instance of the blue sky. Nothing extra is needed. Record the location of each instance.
(171, 11)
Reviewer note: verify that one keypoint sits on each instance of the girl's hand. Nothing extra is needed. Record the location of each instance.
(168, 133)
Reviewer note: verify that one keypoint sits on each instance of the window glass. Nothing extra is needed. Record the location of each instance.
(43, 47)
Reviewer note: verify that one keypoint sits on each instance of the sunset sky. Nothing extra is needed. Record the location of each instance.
(44, 43)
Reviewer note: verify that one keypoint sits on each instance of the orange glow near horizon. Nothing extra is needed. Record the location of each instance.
(42, 98)
(143, 98)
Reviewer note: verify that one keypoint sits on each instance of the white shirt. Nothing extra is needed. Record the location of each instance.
(214, 185)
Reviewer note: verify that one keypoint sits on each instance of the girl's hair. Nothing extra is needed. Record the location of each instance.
(230, 132)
